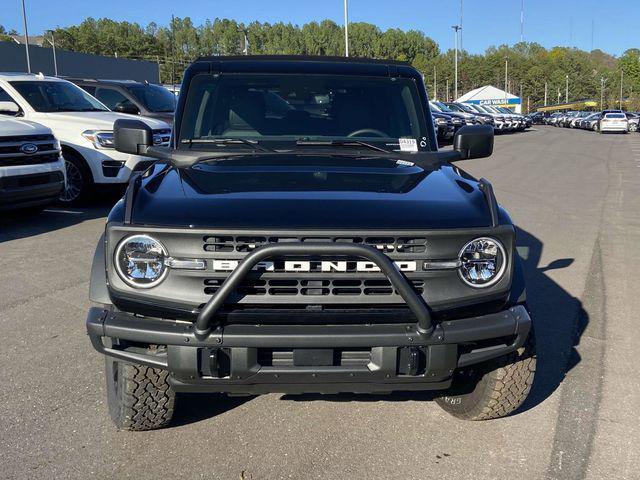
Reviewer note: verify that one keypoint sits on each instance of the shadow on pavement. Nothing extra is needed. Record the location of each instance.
(194, 407)
(16, 225)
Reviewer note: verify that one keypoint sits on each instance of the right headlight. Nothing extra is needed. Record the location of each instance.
(100, 139)
(482, 262)
(140, 261)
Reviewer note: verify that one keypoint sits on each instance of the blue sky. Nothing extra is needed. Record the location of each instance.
(485, 22)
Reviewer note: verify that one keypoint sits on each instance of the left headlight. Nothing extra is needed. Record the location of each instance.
(482, 262)
(140, 261)
(100, 139)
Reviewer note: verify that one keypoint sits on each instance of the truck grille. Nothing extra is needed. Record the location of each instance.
(289, 285)
(245, 244)
(12, 155)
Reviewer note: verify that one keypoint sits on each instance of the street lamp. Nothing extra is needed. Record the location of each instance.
(566, 91)
(506, 75)
(456, 29)
(346, 29)
(52, 42)
(602, 82)
(26, 37)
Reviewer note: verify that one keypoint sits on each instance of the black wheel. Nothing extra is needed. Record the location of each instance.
(492, 389)
(139, 397)
(79, 180)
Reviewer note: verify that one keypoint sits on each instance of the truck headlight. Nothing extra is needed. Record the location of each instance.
(140, 261)
(100, 139)
(482, 262)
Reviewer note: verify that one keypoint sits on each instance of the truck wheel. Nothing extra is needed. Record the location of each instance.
(492, 389)
(79, 180)
(139, 397)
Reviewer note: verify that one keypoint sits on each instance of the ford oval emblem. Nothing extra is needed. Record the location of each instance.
(29, 148)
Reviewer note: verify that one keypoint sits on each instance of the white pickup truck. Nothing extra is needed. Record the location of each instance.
(82, 124)
(32, 173)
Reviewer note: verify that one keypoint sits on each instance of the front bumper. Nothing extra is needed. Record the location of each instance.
(252, 359)
(26, 186)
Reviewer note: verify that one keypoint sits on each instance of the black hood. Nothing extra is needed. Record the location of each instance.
(310, 192)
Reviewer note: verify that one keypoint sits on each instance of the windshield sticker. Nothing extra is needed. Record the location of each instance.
(408, 144)
(405, 163)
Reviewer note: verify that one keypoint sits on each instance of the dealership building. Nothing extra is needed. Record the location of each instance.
(490, 95)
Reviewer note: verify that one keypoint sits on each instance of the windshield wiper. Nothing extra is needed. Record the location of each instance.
(339, 143)
(228, 141)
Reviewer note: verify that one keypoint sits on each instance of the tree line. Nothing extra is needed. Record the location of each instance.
(530, 66)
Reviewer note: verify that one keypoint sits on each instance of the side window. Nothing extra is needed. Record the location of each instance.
(110, 97)
(89, 90)
(5, 97)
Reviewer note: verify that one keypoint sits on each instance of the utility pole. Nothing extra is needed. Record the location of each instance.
(173, 49)
(621, 80)
(566, 91)
(545, 94)
(447, 95)
(26, 36)
(602, 81)
(506, 76)
(346, 29)
(522, 21)
(435, 84)
(53, 46)
(456, 29)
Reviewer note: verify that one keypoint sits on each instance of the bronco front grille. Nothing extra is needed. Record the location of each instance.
(245, 244)
(317, 287)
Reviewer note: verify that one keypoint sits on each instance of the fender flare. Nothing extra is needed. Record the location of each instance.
(98, 291)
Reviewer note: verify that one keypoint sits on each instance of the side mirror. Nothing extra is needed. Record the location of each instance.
(132, 136)
(127, 107)
(9, 108)
(474, 141)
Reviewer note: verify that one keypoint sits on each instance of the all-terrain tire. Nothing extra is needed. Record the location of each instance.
(139, 397)
(492, 389)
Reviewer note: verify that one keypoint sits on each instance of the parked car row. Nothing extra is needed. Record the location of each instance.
(448, 117)
(56, 139)
(603, 122)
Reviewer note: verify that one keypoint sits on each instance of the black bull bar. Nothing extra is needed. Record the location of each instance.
(206, 317)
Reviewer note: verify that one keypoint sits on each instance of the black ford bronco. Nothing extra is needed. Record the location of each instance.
(303, 233)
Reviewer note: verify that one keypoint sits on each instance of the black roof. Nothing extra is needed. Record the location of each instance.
(299, 58)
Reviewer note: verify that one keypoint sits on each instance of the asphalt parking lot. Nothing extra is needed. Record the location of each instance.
(574, 195)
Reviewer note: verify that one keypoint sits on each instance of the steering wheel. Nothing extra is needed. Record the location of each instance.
(378, 133)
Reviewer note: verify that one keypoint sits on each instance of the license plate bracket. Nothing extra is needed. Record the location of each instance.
(313, 357)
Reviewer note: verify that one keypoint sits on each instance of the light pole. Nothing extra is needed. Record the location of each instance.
(346, 29)
(545, 94)
(456, 29)
(435, 84)
(621, 80)
(52, 42)
(506, 76)
(522, 21)
(566, 87)
(602, 82)
(26, 36)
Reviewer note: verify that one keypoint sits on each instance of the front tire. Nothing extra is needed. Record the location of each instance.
(139, 397)
(492, 389)
(79, 180)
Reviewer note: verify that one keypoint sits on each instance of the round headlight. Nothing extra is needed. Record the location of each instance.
(482, 262)
(140, 261)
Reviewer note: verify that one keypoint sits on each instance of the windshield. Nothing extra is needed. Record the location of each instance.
(154, 98)
(443, 107)
(285, 108)
(435, 107)
(56, 96)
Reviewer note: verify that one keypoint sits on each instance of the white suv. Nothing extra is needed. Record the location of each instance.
(31, 168)
(82, 124)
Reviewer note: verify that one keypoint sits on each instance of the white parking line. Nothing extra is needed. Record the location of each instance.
(56, 210)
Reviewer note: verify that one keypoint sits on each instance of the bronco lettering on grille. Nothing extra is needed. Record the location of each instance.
(327, 266)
